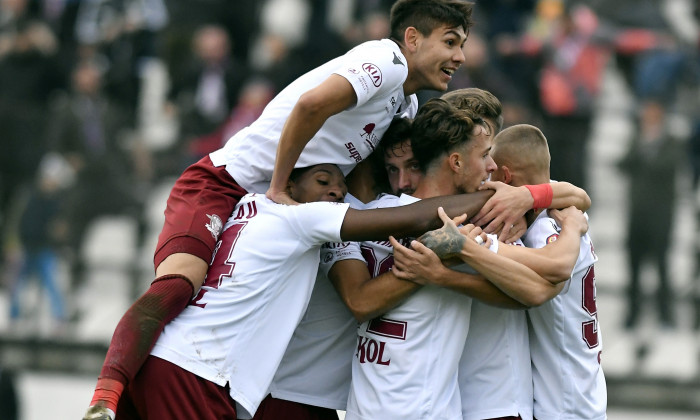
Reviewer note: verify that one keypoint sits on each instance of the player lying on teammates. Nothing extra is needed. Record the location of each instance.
(219, 350)
(335, 113)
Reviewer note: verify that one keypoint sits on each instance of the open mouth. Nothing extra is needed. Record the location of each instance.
(447, 71)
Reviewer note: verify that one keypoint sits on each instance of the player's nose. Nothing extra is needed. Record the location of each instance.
(336, 193)
(490, 165)
(404, 179)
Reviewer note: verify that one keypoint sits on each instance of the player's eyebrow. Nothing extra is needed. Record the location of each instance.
(455, 33)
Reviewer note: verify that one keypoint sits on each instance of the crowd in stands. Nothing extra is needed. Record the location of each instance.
(72, 81)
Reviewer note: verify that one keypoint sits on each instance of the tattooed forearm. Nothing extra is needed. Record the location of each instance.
(444, 242)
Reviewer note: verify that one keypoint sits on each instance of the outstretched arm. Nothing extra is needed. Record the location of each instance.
(311, 111)
(510, 203)
(408, 221)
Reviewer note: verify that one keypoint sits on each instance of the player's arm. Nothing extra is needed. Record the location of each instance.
(556, 260)
(565, 195)
(421, 265)
(410, 220)
(333, 95)
(365, 296)
(449, 241)
(510, 203)
(552, 263)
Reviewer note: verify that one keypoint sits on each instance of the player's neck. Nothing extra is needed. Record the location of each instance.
(432, 186)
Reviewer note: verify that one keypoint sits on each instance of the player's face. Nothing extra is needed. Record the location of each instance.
(478, 162)
(323, 182)
(402, 169)
(437, 57)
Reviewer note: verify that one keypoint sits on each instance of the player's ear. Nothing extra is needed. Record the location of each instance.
(411, 38)
(455, 162)
(507, 176)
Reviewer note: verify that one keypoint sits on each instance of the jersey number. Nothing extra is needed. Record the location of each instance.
(590, 328)
(376, 267)
(221, 265)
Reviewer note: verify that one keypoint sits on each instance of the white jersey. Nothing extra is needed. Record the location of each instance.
(495, 377)
(375, 69)
(405, 363)
(238, 326)
(565, 339)
(317, 365)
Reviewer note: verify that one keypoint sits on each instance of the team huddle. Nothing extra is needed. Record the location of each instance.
(352, 251)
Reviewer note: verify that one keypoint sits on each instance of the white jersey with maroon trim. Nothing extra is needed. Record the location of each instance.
(375, 69)
(236, 329)
(317, 365)
(565, 339)
(495, 377)
(405, 362)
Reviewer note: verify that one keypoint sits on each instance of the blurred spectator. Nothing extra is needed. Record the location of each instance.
(205, 95)
(186, 17)
(123, 33)
(507, 25)
(323, 42)
(254, 98)
(90, 132)
(633, 27)
(28, 76)
(370, 25)
(569, 83)
(9, 400)
(40, 232)
(276, 62)
(651, 164)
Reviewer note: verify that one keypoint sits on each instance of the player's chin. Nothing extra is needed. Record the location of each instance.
(441, 85)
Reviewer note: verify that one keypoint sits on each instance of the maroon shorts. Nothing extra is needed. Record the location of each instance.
(200, 202)
(275, 409)
(164, 391)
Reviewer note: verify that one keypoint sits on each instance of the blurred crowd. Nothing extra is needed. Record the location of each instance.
(73, 76)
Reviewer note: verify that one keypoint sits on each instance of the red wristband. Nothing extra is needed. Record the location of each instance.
(108, 391)
(541, 194)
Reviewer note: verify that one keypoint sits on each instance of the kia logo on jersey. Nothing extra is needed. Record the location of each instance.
(374, 73)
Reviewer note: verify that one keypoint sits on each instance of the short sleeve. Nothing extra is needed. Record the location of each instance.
(542, 232)
(333, 252)
(373, 69)
(318, 222)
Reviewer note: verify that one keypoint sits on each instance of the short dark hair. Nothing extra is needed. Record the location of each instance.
(438, 128)
(399, 131)
(482, 102)
(394, 139)
(426, 15)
